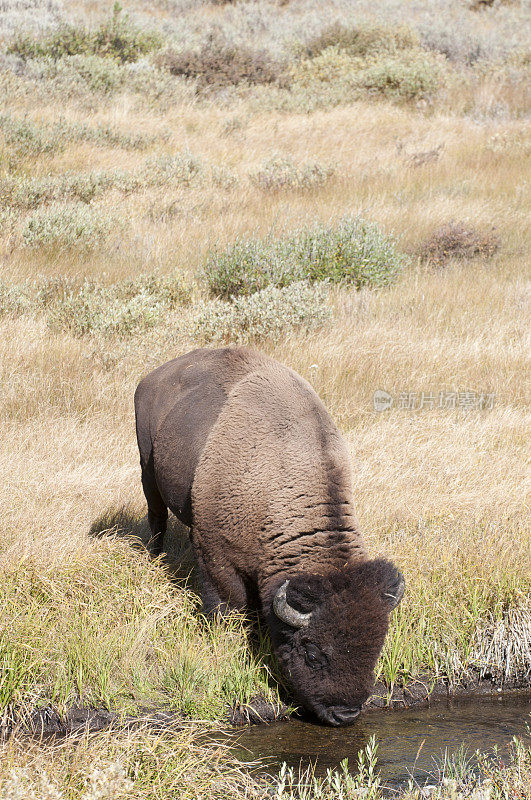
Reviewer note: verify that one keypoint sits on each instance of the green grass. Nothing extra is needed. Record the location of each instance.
(110, 629)
(460, 618)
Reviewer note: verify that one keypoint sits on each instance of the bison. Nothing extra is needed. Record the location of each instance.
(242, 450)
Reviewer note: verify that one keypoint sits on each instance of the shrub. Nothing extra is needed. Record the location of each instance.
(455, 240)
(100, 74)
(353, 251)
(362, 40)
(27, 193)
(458, 46)
(120, 39)
(409, 75)
(172, 290)
(66, 40)
(32, 138)
(67, 225)
(281, 173)
(333, 67)
(27, 137)
(94, 309)
(222, 177)
(115, 38)
(14, 300)
(103, 135)
(182, 168)
(406, 75)
(267, 314)
(218, 64)
(120, 309)
(7, 220)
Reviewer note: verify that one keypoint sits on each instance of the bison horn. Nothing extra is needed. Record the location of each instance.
(396, 592)
(286, 613)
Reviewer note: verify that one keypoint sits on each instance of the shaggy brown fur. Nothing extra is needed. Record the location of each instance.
(241, 448)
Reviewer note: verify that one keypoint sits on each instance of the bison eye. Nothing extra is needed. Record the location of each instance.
(314, 657)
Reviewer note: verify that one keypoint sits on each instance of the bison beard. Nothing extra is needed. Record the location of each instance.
(241, 449)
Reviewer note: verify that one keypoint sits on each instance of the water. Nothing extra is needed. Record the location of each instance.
(410, 743)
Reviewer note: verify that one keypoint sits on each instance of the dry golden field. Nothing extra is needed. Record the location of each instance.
(114, 170)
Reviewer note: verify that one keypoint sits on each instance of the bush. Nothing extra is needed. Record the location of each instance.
(172, 291)
(116, 38)
(458, 46)
(67, 225)
(406, 75)
(267, 314)
(455, 240)
(333, 67)
(99, 74)
(16, 191)
(27, 193)
(222, 177)
(32, 138)
(28, 138)
(7, 220)
(183, 169)
(362, 40)
(354, 251)
(14, 300)
(94, 309)
(120, 309)
(409, 75)
(218, 64)
(281, 173)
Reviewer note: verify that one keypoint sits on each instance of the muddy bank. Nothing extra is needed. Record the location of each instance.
(49, 721)
(423, 691)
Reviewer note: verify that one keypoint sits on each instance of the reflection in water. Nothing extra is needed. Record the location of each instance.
(478, 724)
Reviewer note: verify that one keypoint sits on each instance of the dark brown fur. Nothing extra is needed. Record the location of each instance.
(241, 449)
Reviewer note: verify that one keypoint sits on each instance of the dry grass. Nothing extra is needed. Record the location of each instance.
(443, 491)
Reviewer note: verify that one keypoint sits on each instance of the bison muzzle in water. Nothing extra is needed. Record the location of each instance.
(242, 450)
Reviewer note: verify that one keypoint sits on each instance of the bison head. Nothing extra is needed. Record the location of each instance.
(328, 632)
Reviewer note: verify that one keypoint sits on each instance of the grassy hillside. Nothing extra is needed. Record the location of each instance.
(346, 193)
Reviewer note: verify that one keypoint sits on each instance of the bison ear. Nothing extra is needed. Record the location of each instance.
(394, 589)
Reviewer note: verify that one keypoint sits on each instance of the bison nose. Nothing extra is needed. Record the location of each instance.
(340, 715)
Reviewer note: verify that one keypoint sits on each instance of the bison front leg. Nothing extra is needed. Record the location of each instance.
(221, 596)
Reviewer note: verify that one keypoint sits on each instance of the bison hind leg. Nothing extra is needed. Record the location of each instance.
(158, 525)
(157, 513)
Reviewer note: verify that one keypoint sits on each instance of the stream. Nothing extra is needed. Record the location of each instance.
(411, 743)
